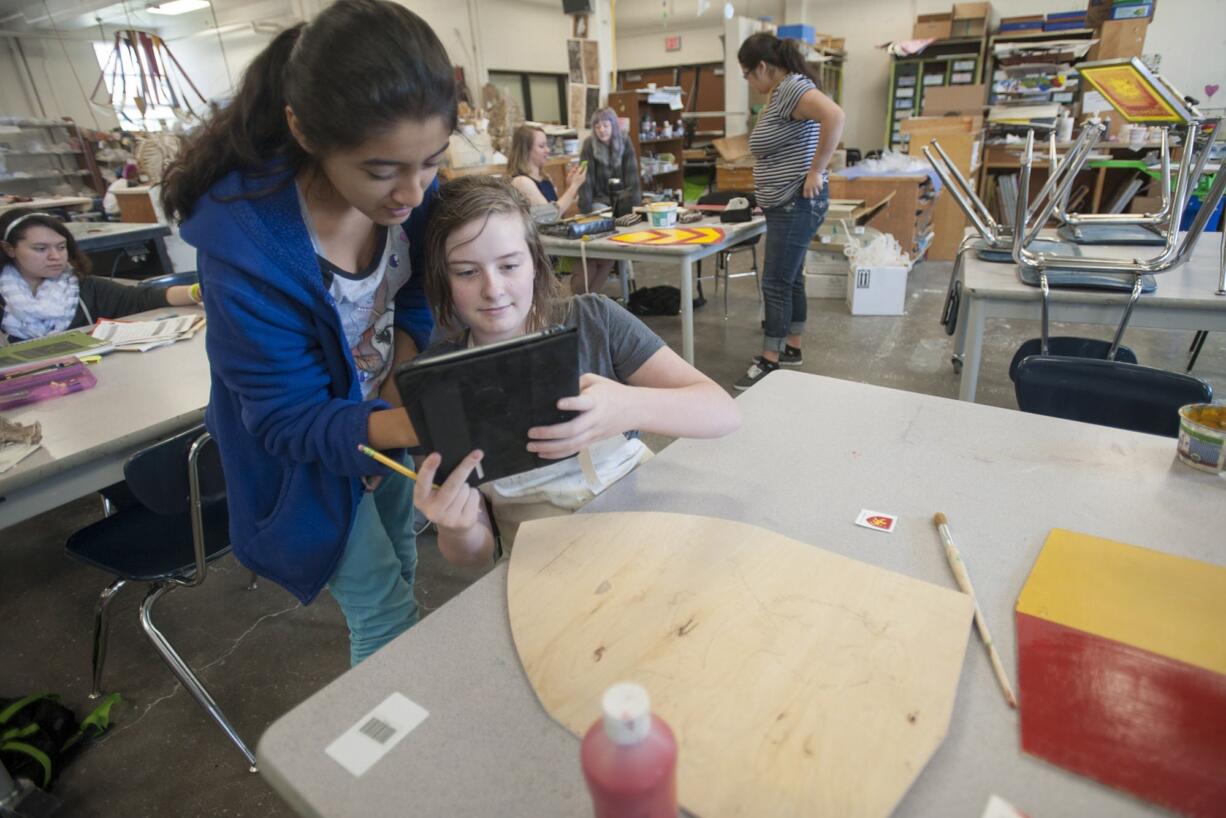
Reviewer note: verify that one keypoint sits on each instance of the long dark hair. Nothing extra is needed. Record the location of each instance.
(359, 68)
(785, 54)
(78, 261)
(478, 197)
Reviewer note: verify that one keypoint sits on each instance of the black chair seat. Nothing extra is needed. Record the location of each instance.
(1069, 346)
(1108, 393)
(138, 544)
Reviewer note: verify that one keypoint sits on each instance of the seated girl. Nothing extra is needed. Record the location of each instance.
(488, 275)
(526, 167)
(45, 286)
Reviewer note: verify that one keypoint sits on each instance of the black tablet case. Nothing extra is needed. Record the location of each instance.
(489, 397)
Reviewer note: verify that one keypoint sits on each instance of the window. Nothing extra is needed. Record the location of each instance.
(542, 97)
(125, 86)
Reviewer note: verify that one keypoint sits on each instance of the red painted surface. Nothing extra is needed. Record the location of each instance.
(1129, 718)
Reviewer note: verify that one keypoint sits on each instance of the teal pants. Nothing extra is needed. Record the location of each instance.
(374, 581)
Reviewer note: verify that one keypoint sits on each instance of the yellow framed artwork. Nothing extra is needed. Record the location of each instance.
(1135, 92)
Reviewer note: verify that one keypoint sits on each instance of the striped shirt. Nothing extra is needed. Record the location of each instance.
(783, 147)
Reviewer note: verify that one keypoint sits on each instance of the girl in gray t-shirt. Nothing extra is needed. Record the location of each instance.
(487, 274)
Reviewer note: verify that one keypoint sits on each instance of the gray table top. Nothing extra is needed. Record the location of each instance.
(139, 396)
(733, 234)
(812, 453)
(1189, 284)
(87, 233)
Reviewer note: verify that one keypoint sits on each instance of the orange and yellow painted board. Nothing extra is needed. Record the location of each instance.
(1122, 669)
(662, 236)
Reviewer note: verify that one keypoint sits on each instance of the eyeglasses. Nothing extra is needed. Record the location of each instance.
(745, 74)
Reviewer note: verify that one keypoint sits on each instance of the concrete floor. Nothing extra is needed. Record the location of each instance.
(260, 652)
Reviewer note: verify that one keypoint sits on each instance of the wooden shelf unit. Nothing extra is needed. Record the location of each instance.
(950, 60)
(908, 216)
(633, 105)
(48, 163)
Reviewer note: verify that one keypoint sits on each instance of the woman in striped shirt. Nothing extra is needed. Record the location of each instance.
(792, 143)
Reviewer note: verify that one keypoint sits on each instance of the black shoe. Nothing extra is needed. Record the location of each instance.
(758, 370)
(791, 356)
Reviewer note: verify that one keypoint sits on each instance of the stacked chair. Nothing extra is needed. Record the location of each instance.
(1084, 378)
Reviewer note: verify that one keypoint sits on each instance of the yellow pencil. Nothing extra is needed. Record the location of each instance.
(964, 582)
(387, 461)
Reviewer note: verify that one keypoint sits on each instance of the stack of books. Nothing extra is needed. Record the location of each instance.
(1025, 22)
(1065, 20)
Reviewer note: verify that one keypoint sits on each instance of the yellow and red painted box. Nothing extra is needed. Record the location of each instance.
(1122, 669)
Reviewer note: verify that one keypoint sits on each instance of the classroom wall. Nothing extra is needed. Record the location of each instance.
(698, 45)
(53, 78)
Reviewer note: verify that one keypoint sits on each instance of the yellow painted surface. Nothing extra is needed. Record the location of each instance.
(1172, 606)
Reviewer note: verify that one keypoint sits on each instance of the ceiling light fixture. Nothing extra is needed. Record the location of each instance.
(177, 7)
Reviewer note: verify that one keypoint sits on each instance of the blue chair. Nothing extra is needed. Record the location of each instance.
(166, 541)
(1069, 346)
(1108, 393)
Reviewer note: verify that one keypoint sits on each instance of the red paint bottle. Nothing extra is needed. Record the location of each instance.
(629, 758)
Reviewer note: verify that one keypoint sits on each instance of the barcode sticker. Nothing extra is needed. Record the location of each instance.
(376, 733)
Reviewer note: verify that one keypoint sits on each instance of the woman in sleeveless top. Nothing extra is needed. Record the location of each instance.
(529, 153)
(526, 167)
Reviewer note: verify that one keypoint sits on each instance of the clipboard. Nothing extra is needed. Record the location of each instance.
(488, 397)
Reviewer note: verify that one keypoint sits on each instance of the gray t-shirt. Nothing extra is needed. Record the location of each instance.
(613, 343)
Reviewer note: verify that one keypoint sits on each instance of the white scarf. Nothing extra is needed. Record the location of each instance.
(35, 314)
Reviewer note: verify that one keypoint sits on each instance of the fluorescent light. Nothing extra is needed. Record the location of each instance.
(729, 11)
(177, 6)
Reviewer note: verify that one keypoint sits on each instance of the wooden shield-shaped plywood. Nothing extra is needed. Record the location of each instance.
(798, 682)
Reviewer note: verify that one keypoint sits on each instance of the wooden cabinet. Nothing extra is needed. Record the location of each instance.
(961, 138)
(657, 173)
(907, 217)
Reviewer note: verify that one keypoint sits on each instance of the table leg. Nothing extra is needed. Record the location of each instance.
(960, 322)
(972, 319)
(623, 272)
(687, 311)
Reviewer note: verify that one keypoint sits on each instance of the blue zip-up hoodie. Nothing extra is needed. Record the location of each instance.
(285, 407)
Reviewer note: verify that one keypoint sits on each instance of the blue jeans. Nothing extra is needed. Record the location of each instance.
(789, 229)
(374, 581)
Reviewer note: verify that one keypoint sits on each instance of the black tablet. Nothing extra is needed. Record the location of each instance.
(488, 398)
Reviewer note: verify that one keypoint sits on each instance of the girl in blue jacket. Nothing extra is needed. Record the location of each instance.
(306, 198)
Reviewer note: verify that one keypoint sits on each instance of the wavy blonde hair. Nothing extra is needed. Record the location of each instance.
(472, 198)
(521, 149)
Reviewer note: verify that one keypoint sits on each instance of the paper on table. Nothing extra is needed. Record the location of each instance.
(145, 334)
(13, 453)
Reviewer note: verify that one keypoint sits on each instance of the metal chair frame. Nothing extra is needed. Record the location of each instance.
(156, 591)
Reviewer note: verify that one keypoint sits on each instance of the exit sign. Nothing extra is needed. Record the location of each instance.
(672, 43)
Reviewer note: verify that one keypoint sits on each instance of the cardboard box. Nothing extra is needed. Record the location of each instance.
(932, 26)
(877, 290)
(955, 99)
(825, 286)
(732, 148)
(970, 19)
(1119, 38)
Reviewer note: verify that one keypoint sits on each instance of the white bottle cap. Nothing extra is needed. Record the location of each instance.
(627, 713)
